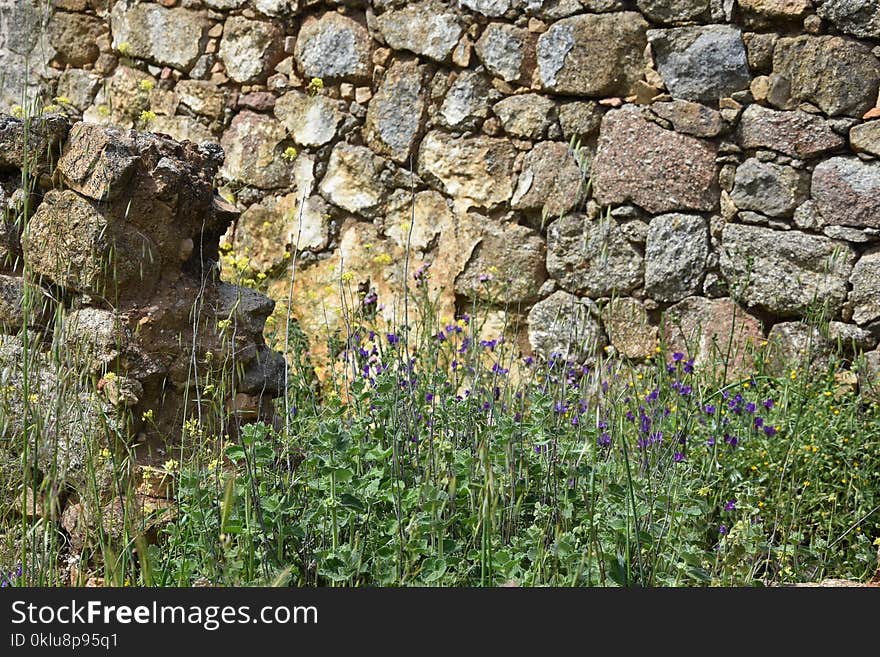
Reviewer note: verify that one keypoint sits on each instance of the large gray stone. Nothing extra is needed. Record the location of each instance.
(25, 52)
(704, 63)
(865, 137)
(861, 18)
(506, 267)
(674, 11)
(768, 188)
(352, 181)
(250, 49)
(467, 101)
(786, 273)
(526, 116)
(837, 74)
(847, 192)
(564, 327)
(334, 47)
(426, 28)
(474, 171)
(491, 8)
(397, 111)
(311, 120)
(551, 180)
(254, 147)
(675, 256)
(865, 281)
(504, 50)
(593, 258)
(202, 97)
(593, 55)
(796, 134)
(661, 171)
(169, 37)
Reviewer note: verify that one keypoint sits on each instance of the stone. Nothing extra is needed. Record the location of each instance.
(467, 101)
(796, 134)
(334, 47)
(78, 87)
(506, 51)
(564, 327)
(786, 273)
(526, 116)
(861, 18)
(551, 180)
(759, 50)
(202, 97)
(12, 308)
(772, 189)
(254, 145)
(73, 36)
(73, 243)
(865, 295)
(676, 249)
(182, 128)
(717, 333)
(397, 112)
(167, 37)
(778, 9)
(847, 192)
(246, 308)
(491, 8)
(580, 118)
(310, 120)
(95, 164)
(593, 55)
(592, 257)
(850, 338)
(869, 376)
(865, 138)
(703, 63)
(416, 220)
(793, 345)
(428, 28)
(690, 118)
(276, 7)
(628, 329)
(44, 137)
(506, 267)
(674, 11)
(352, 181)
(474, 171)
(659, 170)
(840, 76)
(250, 49)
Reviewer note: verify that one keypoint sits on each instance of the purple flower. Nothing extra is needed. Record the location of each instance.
(731, 505)
(711, 441)
(768, 404)
(759, 422)
(770, 430)
(750, 407)
(392, 338)
(685, 391)
(653, 395)
(429, 397)
(678, 356)
(733, 441)
(689, 366)
(601, 425)
(722, 530)
(604, 439)
(497, 369)
(441, 336)
(678, 457)
(630, 417)
(528, 360)
(710, 410)
(575, 421)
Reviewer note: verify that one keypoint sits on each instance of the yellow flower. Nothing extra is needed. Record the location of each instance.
(289, 154)
(224, 324)
(382, 259)
(17, 111)
(103, 110)
(347, 277)
(147, 415)
(124, 48)
(147, 116)
(105, 453)
(315, 85)
(146, 85)
(170, 465)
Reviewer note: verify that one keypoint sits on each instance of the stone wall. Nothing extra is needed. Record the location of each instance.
(730, 148)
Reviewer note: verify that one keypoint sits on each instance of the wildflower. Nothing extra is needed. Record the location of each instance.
(678, 356)
(604, 439)
(393, 338)
(147, 116)
(722, 529)
(770, 430)
(347, 277)
(429, 397)
(289, 154)
(710, 410)
(315, 85)
(124, 48)
(689, 366)
(759, 422)
(146, 85)
(528, 360)
(382, 259)
(750, 407)
(768, 404)
(147, 415)
(62, 100)
(730, 505)
(678, 457)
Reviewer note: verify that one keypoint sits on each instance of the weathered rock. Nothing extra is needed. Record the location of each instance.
(334, 47)
(247, 309)
(592, 257)
(491, 8)
(869, 376)
(796, 134)
(249, 49)
(792, 345)
(564, 327)
(759, 50)
(97, 163)
(122, 98)
(397, 111)
(861, 18)
(168, 37)
(78, 87)
(202, 97)
(786, 273)
(44, 139)
(690, 118)
(593, 55)
(182, 128)
(352, 180)
(768, 188)
(506, 267)
(865, 137)
(676, 249)
(837, 74)
(776, 9)
(276, 7)
(507, 51)
(580, 118)
(674, 11)
(551, 180)
(865, 280)
(25, 53)
(74, 35)
(657, 169)
(701, 63)
(311, 120)
(847, 192)
(717, 333)
(416, 220)
(629, 332)
(467, 101)
(426, 28)
(254, 146)
(12, 307)
(851, 339)
(526, 115)
(475, 171)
